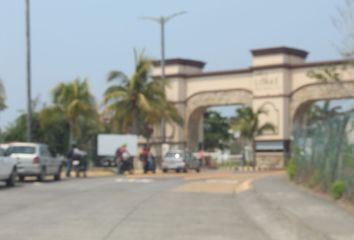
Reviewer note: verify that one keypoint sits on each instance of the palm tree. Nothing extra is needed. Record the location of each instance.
(2, 96)
(247, 123)
(135, 103)
(318, 114)
(77, 103)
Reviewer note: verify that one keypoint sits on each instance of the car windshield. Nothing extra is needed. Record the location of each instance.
(174, 154)
(20, 149)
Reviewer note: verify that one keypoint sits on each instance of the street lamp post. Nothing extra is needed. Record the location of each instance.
(28, 45)
(162, 22)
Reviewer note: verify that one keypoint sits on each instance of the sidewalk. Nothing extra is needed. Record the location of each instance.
(301, 213)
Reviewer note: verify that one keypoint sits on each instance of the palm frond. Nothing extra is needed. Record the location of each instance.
(117, 75)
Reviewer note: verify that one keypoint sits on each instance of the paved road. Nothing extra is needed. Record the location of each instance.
(206, 206)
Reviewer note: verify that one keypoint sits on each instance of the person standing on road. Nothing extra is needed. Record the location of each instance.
(201, 157)
(69, 160)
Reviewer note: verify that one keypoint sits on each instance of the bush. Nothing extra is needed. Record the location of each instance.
(337, 189)
(292, 168)
(315, 179)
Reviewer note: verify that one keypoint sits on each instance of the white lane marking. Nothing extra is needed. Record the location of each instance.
(222, 181)
(133, 180)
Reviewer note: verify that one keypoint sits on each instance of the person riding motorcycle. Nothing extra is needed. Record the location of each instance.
(77, 160)
(123, 159)
(148, 160)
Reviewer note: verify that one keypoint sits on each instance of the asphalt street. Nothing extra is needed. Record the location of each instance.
(103, 208)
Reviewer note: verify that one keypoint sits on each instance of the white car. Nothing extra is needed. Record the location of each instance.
(180, 160)
(8, 169)
(35, 159)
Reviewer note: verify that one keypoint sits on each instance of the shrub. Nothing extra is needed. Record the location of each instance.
(337, 189)
(292, 168)
(315, 179)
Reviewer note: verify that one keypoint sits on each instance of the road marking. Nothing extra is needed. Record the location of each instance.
(246, 185)
(134, 180)
(222, 181)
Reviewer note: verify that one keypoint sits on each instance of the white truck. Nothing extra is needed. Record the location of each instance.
(8, 169)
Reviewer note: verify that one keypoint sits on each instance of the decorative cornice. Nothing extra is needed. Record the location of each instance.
(259, 68)
(180, 61)
(322, 63)
(272, 96)
(217, 91)
(279, 50)
(315, 84)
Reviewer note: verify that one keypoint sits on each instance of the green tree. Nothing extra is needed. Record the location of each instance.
(2, 96)
(321, 112)
(76, 102)
(216, 129)
(54, 126)
(48, 126)
(135, 104)
(247, 123)
(16, 131)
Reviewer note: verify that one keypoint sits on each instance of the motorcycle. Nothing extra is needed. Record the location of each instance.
(149, 164)
(80, 165)
(125, 163)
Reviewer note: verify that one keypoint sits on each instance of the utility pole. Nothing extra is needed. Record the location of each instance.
(162, 22)
(29, 97)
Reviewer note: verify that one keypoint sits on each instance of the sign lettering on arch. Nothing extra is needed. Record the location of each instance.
(266, 81)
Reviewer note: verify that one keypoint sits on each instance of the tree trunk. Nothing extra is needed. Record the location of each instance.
(71, 135)
(254, 160)
(135, 121)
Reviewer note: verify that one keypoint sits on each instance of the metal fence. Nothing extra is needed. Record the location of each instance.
(323, 152)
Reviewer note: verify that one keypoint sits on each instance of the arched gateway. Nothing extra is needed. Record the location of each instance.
(277, 81)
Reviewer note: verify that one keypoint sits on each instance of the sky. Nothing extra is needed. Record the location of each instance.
(89, 38)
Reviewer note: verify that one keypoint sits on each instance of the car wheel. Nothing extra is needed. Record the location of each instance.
(10, 182)
(77, 172)
(57, 176)
(178, 170)
(197, 170)
(164, 170)
(21, 178)
(185, 170)
(41, 176)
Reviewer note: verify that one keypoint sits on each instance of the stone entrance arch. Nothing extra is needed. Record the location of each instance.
(198, 103)
(277, 80)
(302, 98)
